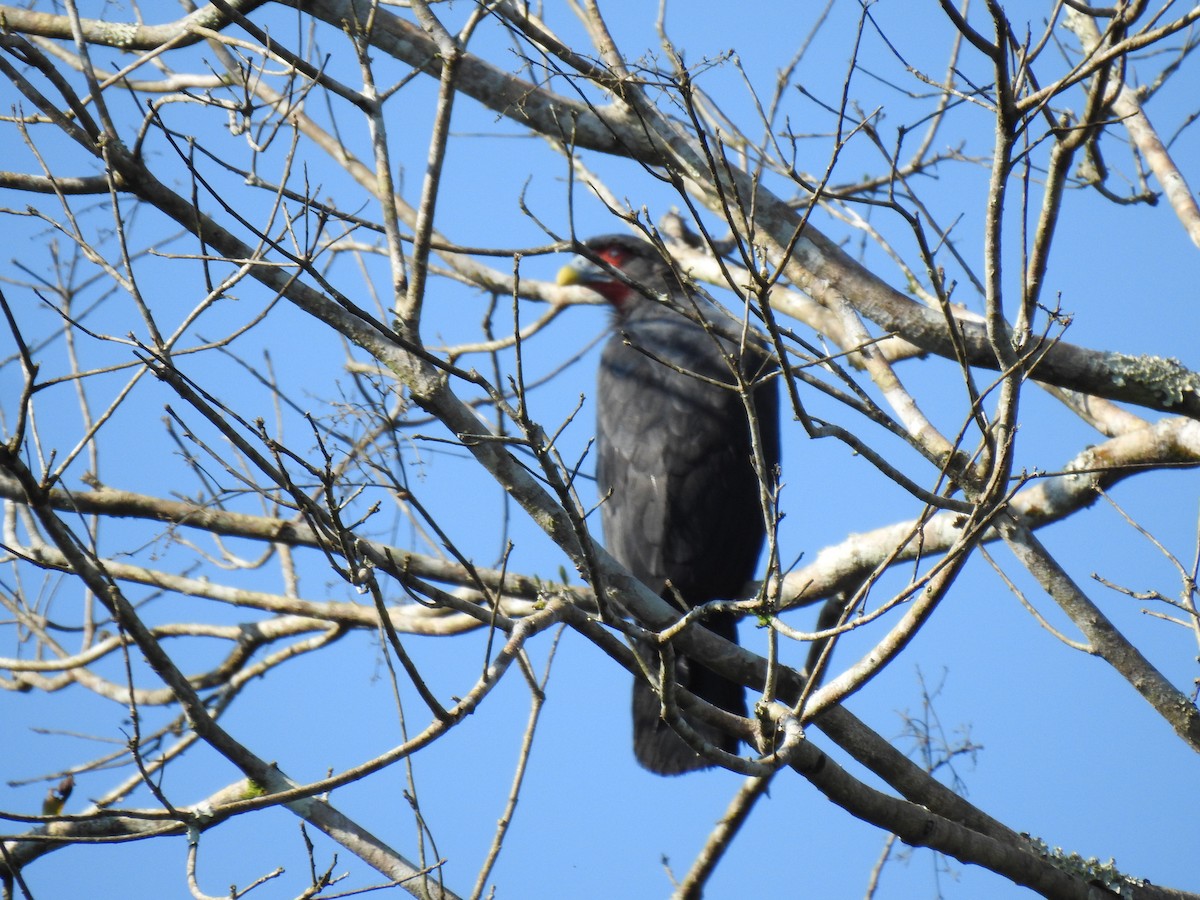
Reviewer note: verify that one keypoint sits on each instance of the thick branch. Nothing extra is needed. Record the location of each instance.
(817, 264)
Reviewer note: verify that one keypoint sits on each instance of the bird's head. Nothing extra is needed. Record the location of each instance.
(637, 260)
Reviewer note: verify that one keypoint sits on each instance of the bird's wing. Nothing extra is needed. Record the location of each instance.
(674, 459)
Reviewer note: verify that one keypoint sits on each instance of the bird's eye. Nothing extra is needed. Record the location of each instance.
(614, 256)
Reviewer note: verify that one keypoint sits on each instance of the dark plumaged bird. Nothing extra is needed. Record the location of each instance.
(675, 469)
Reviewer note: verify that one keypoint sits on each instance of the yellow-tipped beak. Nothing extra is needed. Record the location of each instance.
(570, 274)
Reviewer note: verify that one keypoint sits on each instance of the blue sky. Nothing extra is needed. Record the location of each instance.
(1068, 751)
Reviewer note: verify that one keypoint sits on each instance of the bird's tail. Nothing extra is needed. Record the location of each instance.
(656, 745)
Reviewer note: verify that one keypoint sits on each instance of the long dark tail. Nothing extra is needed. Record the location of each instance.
(655, 744)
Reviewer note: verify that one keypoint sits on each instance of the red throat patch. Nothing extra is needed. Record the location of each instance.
(613, 290)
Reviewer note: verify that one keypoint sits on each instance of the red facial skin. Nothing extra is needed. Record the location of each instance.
(611, 289)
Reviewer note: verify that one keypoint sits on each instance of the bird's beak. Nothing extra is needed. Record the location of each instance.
(578, 271)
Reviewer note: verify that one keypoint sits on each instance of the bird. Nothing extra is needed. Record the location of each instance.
(680, 494)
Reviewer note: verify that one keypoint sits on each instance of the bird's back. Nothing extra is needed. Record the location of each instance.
(675, 456)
